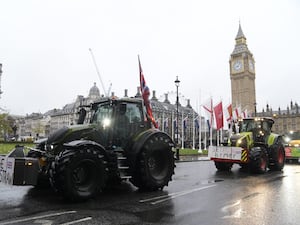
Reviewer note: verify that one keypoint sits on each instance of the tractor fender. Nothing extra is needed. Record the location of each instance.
(140, 140)
(274, 139)
(77, 144)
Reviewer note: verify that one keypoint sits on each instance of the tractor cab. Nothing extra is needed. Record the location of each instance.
(120, 120)
(259, 127)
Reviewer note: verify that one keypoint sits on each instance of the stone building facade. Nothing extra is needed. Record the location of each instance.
(242, 75)
(286, 120)
(37, 125)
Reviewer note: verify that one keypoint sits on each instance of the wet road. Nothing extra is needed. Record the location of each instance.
(197, 195)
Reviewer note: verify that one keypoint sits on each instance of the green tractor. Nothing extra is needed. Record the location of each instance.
(117, 144)
(253, 146)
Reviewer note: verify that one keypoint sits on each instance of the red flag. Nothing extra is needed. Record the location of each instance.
(145, 94)
(229, 111)
(218, 110)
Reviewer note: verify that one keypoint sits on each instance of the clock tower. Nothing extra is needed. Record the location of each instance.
(242, 75)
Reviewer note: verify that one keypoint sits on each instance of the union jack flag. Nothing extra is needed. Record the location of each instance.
(145, 94)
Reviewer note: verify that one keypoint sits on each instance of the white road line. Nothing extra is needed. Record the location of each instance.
(37, 217)
(77, 221)
(167, 197)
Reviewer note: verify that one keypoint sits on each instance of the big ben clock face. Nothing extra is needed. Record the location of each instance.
(237, 65)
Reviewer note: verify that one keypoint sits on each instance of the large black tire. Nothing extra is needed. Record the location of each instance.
(258, 160)
(223, 166)
(278, 157)
(155, 164)
(78, 174)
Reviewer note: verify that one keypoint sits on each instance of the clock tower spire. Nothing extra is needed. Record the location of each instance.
(242, 74)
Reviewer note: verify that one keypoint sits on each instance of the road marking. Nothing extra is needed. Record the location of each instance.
(163, 198)
(77, 221)
(37, 217)
(44, 222)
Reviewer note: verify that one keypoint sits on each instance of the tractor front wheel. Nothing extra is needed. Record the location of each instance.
(259, 161)
(278, 157)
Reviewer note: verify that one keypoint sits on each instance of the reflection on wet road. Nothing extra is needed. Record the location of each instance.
(197, 195)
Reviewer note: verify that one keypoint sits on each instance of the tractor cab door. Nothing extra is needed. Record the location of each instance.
(103, 119)
(129, 121)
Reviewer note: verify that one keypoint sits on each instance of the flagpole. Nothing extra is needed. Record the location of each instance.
(211, 121)
(163, 121)
(200, 126)
(205, 137)
(172, 128)
(182, 132)
(193, 126)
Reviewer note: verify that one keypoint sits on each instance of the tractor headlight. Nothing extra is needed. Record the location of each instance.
(242, 143)
(106, 122)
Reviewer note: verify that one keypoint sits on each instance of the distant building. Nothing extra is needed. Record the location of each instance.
(33, 126)
(286, 120)
(0, 79)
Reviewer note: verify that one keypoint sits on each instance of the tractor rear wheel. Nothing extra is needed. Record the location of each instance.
(278, 157)
(155, 164)
(78, 174)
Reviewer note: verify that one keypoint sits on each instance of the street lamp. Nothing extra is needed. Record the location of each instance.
(177, 104)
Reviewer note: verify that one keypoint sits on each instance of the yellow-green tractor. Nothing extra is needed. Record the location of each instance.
(253, 146)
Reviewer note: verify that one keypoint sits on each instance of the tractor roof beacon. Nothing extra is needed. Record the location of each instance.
(254, 146)
(117, 144)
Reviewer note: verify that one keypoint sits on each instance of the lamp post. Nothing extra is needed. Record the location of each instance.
(177, 105)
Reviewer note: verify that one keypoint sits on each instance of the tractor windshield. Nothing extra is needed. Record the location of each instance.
(255, 125)
(249, 125)
(103, 115)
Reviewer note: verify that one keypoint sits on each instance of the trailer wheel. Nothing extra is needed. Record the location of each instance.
(259, 160)
(155, 164)
(278, 157)
(78, 174)
(223, 166)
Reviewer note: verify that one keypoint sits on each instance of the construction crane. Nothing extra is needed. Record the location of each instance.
(106, 92)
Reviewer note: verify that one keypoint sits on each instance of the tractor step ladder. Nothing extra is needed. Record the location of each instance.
(122, 165)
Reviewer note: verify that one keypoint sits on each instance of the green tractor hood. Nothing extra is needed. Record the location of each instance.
(55, 142)
(244, 140)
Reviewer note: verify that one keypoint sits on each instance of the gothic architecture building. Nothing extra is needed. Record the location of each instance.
(286, 120)
(242, 75)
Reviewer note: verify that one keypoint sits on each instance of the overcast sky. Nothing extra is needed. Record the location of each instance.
(44, 49)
